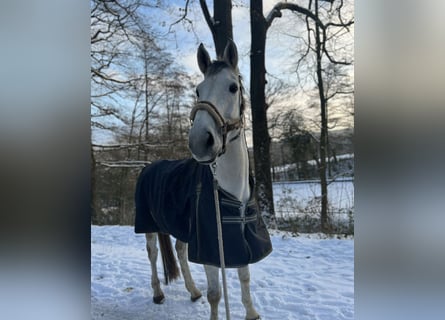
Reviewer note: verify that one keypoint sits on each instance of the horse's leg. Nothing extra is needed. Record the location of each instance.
(213, 290)
(244, 277)
(181, 250)
(152, 249)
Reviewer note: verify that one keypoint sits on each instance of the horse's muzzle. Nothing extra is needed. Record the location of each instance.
(207, 140)
(202, 145)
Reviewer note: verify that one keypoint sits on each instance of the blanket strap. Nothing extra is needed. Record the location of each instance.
(220, 240)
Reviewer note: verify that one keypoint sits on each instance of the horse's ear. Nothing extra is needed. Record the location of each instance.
(203, 58)
(231, 53)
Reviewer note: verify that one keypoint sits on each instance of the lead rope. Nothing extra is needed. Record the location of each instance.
(220, 240)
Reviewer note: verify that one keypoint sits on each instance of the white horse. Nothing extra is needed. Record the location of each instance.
(217, 138)
(222, 89)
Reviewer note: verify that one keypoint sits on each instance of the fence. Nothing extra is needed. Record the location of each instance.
(298, 205)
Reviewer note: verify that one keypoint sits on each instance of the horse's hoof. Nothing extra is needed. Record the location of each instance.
(196, 298)
(257, 318)
(159, 299)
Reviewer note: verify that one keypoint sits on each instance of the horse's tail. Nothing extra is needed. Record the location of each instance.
(171, 271)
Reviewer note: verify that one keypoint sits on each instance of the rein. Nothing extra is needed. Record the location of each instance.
(220, 240)
(225, 126)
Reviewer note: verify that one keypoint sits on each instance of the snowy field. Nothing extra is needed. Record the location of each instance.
(305, 278)
(295, 197)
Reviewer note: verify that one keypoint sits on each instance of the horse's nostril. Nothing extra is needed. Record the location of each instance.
(210, 140)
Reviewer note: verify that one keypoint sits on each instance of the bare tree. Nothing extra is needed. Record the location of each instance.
(322, 33)
(112, 23)
(131, 79)
(319, 34)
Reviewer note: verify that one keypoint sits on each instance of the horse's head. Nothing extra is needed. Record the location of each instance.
(217, 116)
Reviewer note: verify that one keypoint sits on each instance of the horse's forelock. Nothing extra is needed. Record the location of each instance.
(216, 67)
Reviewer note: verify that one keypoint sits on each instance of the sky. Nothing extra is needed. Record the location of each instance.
(280, 45)
(185, 43)
(183, 38)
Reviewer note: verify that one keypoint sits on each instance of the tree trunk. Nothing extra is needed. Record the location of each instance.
(323, 131)
(146, 99)
(93, 205)
(261, 138)
(220, 24)
(223, 25)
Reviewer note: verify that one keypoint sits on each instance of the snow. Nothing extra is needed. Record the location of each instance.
(294, 197)
(305, 277)
(287, 167)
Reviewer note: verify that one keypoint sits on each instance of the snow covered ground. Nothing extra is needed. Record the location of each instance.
(294, 197)
(305, 278)
(299, 202)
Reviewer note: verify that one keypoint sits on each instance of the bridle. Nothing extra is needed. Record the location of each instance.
(224, 126)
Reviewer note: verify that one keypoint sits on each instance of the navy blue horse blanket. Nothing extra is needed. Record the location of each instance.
(176, 197)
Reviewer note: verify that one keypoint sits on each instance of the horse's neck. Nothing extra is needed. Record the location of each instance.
(232, 169)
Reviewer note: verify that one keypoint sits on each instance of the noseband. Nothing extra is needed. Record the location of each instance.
(225, 126)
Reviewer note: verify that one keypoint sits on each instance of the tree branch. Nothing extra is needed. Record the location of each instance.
(276, 13)
(123, 164)
(105, 77)
(209, 19)
(308, 47)
(183, 17)
(339, 92)
(343, 25)
(127, 146)
(331, 59)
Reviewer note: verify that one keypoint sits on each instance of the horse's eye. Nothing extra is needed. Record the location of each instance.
(233, 88)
